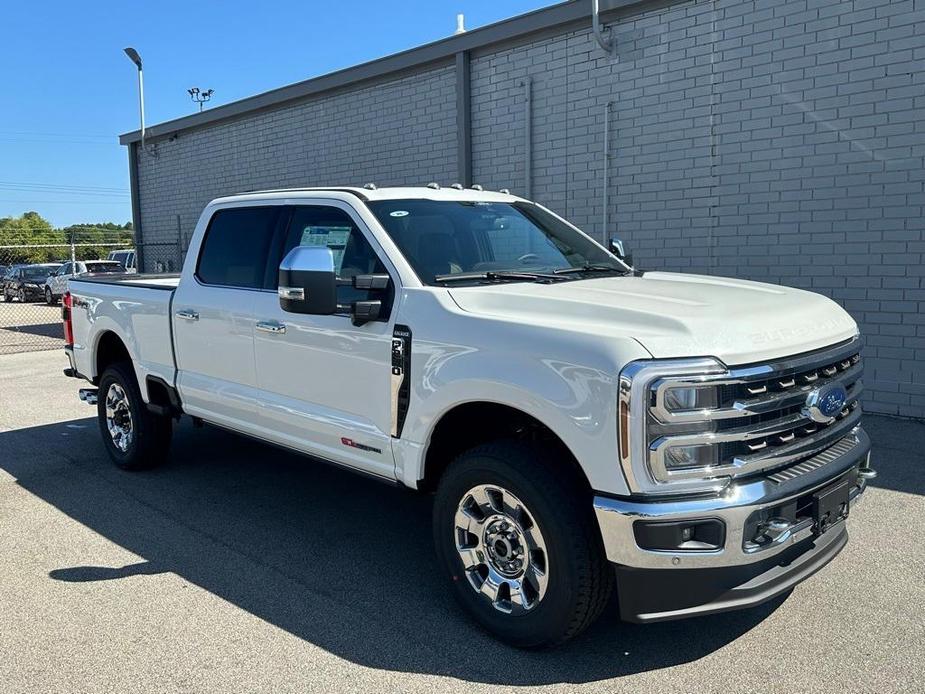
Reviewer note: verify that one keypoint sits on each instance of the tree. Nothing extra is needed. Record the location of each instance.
(32, 239)
(17, 234)
(107, 235)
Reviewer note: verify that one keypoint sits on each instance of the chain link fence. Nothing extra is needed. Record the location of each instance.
(33, 276)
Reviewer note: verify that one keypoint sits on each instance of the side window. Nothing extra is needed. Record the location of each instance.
(332, 227)
(234, 250)
(65, 269)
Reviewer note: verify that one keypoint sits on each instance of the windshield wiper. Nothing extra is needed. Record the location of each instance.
(589, 267)
(497, 276)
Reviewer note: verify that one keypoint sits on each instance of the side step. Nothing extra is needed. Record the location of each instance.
(88, 395)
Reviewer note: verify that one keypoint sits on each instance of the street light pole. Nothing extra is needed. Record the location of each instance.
(135, 58)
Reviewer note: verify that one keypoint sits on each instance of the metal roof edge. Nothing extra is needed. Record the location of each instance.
(429, 54)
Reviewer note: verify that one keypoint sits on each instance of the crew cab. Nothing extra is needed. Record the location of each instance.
(694, 441)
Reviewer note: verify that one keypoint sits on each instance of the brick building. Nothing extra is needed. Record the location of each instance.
(781, 141)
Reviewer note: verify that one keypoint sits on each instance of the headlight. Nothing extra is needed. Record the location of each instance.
(692, 398)
(662, 426)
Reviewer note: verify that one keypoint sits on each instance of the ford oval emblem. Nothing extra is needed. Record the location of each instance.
(823, 404)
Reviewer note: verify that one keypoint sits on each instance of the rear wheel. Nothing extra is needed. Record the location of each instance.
(49, 297)
(135, 437)
(517, 537)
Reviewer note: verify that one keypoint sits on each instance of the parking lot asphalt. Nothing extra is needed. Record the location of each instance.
(238, 567)
(30, 326)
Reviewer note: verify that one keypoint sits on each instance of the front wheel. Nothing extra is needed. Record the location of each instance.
(135, 437)
(22, 295)
(515, 532)
(49, 297)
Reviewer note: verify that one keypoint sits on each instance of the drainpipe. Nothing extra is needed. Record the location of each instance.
(605, 217)
(603, 36)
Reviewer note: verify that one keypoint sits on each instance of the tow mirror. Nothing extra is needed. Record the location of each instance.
(370, 309)
(617, 248)
(307, 281)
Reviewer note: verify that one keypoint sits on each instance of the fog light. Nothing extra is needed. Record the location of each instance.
(703, 534)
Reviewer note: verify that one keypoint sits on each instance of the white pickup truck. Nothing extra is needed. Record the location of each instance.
(693, 440)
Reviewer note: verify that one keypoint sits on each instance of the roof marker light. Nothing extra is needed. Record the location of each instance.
(433, 185)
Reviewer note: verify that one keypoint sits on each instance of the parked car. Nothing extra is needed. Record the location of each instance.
(56, 284)
(27, 282)
(695, 440)
(126, 258)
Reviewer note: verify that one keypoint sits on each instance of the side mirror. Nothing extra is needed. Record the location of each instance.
(616, 247)
(307, 281)
(370, 309)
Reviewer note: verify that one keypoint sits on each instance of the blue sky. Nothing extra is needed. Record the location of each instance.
(67, 91)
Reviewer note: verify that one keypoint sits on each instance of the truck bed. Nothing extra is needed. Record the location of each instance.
(149, 281)
(137, 310)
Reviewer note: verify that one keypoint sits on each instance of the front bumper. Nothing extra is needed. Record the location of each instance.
(33, 291)
(752, 564)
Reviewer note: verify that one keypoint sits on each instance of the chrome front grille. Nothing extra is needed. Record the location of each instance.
(760, 419)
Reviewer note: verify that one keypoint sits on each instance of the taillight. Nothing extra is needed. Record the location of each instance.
(66, 304)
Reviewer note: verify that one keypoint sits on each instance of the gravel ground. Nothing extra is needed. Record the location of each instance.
(237, 567)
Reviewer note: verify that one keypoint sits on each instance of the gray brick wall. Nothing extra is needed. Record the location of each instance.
(779, 141)
(775, 141)
(390, 133)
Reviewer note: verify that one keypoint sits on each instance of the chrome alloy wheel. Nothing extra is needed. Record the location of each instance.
(119, 418)
(502, 549)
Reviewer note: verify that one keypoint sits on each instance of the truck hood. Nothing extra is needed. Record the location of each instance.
(674, 315)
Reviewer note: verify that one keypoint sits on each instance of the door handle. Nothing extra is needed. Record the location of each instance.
(271, 327)
(187, 314)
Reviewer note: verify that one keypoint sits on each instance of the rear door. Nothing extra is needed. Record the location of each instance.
(213, 316)
(324, 383)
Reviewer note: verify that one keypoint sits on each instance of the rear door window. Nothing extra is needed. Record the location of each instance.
(234, 251)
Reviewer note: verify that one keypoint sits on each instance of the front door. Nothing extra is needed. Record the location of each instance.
(324, 383)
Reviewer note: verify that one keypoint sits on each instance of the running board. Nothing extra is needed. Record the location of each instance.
(88, 395)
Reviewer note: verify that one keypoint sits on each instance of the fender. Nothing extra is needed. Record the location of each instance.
(567, 382)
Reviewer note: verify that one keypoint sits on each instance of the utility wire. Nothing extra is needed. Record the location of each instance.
(63, 186)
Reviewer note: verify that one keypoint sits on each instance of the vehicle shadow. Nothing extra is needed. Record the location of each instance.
(52, 330)
(343, 562)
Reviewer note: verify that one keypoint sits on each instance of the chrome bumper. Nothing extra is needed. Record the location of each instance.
(737, 509)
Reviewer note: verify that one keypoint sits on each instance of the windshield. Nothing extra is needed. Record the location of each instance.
(104, 267)
(37, 273)
(487, 240)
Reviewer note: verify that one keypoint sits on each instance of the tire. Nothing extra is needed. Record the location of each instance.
(22, 295)
(142, 440)
(555, 513)
(49, 297)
